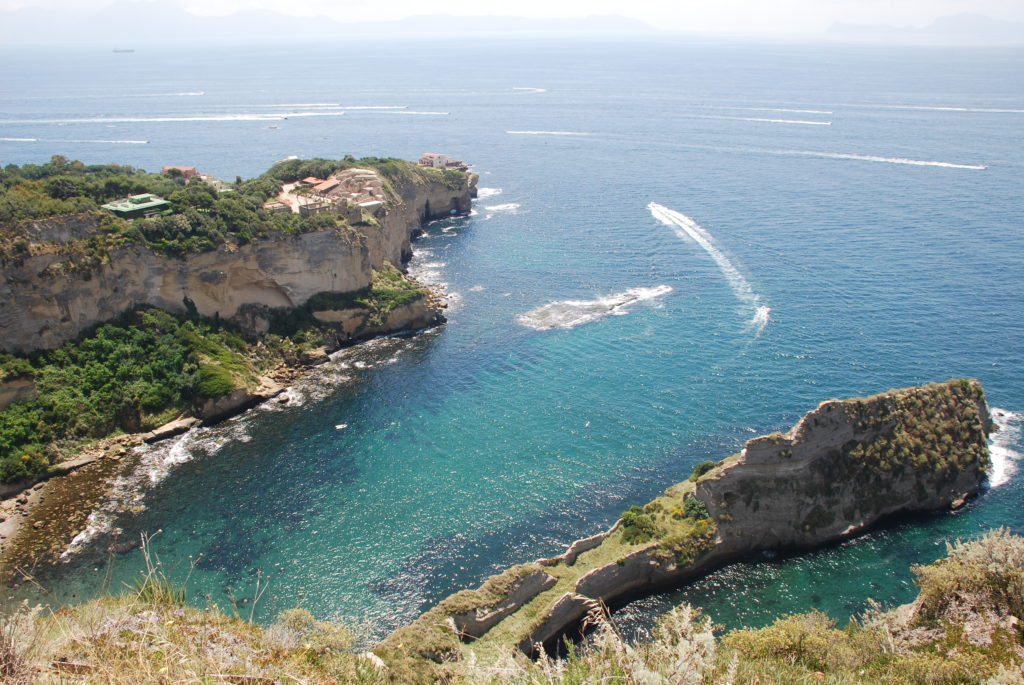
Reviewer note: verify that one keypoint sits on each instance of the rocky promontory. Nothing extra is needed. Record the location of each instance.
(48, 296)
(840, 469)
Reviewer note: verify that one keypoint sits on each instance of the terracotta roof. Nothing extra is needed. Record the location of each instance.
(326, 185)
(312, 180)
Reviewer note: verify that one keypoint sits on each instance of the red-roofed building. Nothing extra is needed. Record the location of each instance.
(186, 171)
(327, 186)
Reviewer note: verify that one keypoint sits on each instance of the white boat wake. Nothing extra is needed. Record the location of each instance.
(549, 133)
(688, 229)
(876, 158)
(572, 313)
(803, 122)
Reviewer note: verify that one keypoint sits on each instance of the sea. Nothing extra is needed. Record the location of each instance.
(678, 245)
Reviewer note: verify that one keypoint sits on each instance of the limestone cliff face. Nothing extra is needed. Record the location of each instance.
(848, 463)
(44, 304)
(843, 467)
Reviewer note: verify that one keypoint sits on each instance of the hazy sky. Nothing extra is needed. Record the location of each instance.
(702, 16)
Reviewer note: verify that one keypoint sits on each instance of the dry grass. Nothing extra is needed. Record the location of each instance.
(150, 635)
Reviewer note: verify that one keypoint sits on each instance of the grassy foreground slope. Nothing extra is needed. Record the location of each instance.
(962, 628)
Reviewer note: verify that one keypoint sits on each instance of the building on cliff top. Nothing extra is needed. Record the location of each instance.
(439, 161)
(138, 206)
(326, 186)
(433, 159)
(186, 171)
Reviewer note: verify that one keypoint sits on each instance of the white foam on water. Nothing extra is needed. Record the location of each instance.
(409, 111)
(63, 140)
(319, 105)
(688, 229)
(484, 193)
(572, 313)
(476, 289)
(106, 142)
(242, 116)
(127, 490)
(760, 321)
(529, 89)
(374, 107)
(1000, 447)
(932, 108)
(549, 133)
(155, 462)
(802, 122)
(313, 113)
(779, 109)
(507, 207)
(875, 158)
(118, 96)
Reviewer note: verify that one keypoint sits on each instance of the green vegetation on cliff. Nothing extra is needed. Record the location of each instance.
(963, 628)
(201, 218)
(131, 374)
(148, 367)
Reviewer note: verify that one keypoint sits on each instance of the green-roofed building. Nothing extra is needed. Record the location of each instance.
(138, 206)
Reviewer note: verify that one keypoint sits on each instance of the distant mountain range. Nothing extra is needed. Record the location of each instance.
(959, 29)
(133, 24)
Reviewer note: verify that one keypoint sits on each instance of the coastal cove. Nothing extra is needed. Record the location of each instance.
(788, 263)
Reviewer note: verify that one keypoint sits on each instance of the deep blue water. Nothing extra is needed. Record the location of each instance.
(488, 442)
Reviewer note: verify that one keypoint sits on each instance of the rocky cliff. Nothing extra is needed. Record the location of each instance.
(843, 467)
(46, 299)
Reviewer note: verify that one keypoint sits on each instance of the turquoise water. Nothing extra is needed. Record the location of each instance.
(856, 227)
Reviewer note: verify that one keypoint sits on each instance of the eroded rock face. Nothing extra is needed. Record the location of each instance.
(16, 390)
(848, 463)
(43, 304)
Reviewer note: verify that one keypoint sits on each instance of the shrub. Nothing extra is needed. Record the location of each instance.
(214, 381)
(637, 527)
(987, 572)
(701, 469)
(695, 508)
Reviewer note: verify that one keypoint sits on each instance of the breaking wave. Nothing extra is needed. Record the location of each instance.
(507, 207)
(688, 229)
(1004, 457)
(549, 133)
(153, 463)
(572, 313)
(483, 193)
(530, 89)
